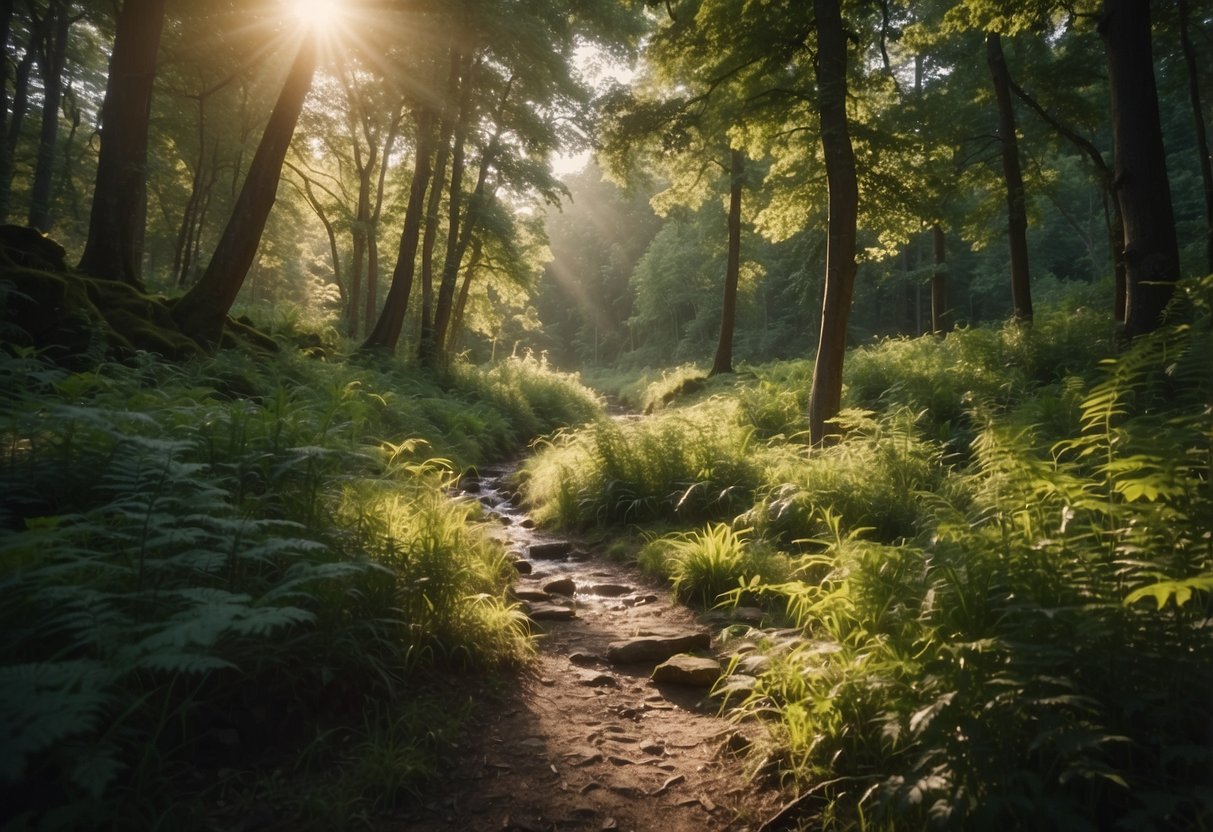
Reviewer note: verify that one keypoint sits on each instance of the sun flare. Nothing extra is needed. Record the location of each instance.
(317, 13)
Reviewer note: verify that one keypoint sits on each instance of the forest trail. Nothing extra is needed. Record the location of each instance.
(587, 740)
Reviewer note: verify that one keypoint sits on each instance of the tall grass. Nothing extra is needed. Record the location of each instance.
(213, 559)
(693, 464)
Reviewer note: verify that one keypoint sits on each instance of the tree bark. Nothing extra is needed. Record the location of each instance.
(52, 62)
(723, 362)
(1017, 211)
(1202, 139)
(114, 249)
(941, 314)
(825, 399)
(1142, 186)
(203, 310)
(386, 333)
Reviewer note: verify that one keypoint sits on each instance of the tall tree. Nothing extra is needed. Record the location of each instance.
(1142, 186)
(1017, 204)
(52, 62)
(386, 333)
(114, 249)
(723, 362)
(203, 310)
(825, 398)
(13, 110)
(1198, 118)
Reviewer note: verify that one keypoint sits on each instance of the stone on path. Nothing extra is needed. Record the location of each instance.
(540, 611)
(523, 567)
(562, 586)
(609, 590)
(532, 595)
(555, 550)
(655, 648)
(685, 669)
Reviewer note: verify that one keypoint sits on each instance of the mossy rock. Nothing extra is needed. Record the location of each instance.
(78, 320)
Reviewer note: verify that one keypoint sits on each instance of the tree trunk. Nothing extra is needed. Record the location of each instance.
(114, 249)
(1142, 187)
(386, 333)
(1017, 212)
(372, 252)
(941, 315)
(202, 311)
(465, 291)
(309, 195)
(443, 308)
(52, 62)
(728, 311)
(445, 129)
(825, 399)
(1202, 139)
(1114, 223)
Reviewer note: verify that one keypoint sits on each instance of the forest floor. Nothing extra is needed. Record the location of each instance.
(587, 740)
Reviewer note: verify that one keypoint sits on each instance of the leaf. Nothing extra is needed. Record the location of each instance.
(1164, 591)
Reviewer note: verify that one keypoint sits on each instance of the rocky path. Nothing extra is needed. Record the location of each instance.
(590, 740)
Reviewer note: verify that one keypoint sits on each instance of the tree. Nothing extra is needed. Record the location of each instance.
(1142, 186)
(1198, 118)
(825, 398)
(1017, 212)
(203, 309)
(52, 63)
(114, 249)
(723, 362)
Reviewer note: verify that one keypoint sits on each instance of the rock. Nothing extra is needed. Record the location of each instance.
(639, 600)
(562, 586)
(526, 523)
(555, 550)
(523, 567)
(609, 590)
(583, 659)
(655, 648)
(550, 612)
(532, 595)
(25, 248)
(685, 669)
(597, 680)
(749, 615)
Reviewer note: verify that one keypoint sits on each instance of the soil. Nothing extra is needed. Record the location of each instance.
(581, 743)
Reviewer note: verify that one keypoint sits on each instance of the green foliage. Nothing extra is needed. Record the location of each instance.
(704, 565)
(694, 464)
(1001, 576)
(239, 546)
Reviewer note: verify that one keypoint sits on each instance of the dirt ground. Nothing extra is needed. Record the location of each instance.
(584, 743)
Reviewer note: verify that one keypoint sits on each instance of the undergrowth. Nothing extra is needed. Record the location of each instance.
(202, 563)
(1002, 576)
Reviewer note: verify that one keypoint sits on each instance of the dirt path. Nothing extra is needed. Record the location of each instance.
(588, 741)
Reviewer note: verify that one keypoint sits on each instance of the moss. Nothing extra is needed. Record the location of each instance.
(78, 320)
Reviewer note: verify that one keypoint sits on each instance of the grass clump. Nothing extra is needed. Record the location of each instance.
(693, 464)
(705, 565)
